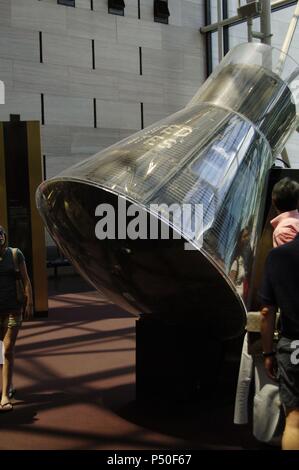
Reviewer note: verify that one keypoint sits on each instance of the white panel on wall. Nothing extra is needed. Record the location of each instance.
(93, 83)
(121, 115)
(5, 9)
(38, 16)
(41, 78)
(18, 43)
(28, 105)
(116, 57)
(139, 33)
(67, 50)
(68, 111)
(90, 24)
(6, 74)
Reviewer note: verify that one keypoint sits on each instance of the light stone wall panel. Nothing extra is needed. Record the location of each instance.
(118, 114)
(68, 111)
(5, 9)
(118, 57)
(178, 93)
(28, 105)
(194, 68)
(57, 164)
(38, 16)
(102, 84)
(147, 10)
(90, 25)
(175, 11)
(140, 89)
(87, 141)
(193, 15)
(83, 4)
(181, 38)
(131, 9)
(67, 50)
(101, 6)
(138, 33)
(41, 78)
(77, 141)
(56, 140)
(18, 43)
(173, 66)
(161, 63)
(155, 112)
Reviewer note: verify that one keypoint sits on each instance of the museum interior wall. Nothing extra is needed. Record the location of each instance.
(93, 78)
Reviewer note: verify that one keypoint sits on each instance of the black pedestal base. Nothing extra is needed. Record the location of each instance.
(174, 362)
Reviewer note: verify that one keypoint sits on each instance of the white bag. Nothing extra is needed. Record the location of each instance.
(268, 415)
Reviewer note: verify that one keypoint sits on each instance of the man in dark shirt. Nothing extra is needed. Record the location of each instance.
(280, 289)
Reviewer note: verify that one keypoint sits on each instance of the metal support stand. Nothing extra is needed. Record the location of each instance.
(174, 362)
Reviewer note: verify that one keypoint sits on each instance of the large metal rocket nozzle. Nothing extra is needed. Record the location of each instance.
(214, 154)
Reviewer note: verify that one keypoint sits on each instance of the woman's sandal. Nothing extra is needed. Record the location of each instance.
(6, 407)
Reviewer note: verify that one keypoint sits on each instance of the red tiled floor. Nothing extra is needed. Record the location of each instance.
(75, 381)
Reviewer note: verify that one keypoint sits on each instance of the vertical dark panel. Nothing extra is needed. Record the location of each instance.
(93, 54)
(91, 5)
(140, 60)
(42, 109)
(95, 113)
(44, 167)
(225, 28)
(41, 58)
(139, 10)
(3, 199)
(141, 115)
(17, 189)
(209, 63)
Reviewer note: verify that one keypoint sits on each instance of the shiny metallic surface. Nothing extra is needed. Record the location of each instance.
(215, 153)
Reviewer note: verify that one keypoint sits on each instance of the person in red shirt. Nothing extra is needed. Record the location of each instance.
(285, 196)
(279, 290)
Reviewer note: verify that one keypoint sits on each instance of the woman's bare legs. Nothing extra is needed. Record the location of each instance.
(9, 336)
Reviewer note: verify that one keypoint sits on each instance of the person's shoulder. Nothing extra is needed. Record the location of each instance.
(20, 255)
(291, 246)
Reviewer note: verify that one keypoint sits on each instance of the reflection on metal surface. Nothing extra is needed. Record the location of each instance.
(216, 152)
